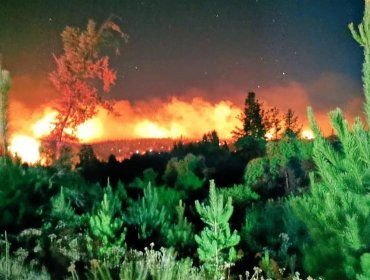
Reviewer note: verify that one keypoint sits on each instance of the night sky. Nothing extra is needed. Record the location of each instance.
(292, 53)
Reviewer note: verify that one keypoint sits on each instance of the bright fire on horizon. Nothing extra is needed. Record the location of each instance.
(174, 119)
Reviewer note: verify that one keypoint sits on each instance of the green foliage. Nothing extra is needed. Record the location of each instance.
(81, 194)
(149, 176)
(362, 37)
(186, 174)
(61, 209)
(216, 243)
(181, 233)
(147, 214)
(266, 265)
(337, 211)
(365, 267)
(61, 233)
(169, 197)
(255, 172)
(288, 159)
(13, 266)
(273, 227)
(263, 225)
(282, 153)
(241, 195)
(107, 229)
(23, 195)
(158, 265)
(251, 147)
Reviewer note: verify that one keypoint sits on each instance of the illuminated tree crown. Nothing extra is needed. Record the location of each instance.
(79, 71)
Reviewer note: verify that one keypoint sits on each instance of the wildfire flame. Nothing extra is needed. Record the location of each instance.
(25, 147)
(149, 129)
(156, 119)
(307, 134)
(28, 147)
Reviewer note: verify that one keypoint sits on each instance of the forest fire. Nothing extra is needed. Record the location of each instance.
(25, 147)
(208, 139)
(307, 134)
(149, 129)
(173, 119)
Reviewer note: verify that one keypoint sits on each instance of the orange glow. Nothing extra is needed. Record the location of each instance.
(307, 134)
(149, 129)
(43, 126)
(269, 135)
(173, 118)
(155, 119)
(86, 132)
(90, 131)
(25, 147)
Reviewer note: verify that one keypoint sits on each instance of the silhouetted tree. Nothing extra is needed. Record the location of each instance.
(273, 122)
(211, 138)
(252, 118)
(250, 139)
(292, 127)
(89, 166)
(87, 155)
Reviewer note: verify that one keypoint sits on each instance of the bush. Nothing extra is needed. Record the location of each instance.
(186, 174)
(22, 190)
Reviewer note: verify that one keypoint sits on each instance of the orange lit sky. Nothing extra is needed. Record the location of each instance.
(188, 65)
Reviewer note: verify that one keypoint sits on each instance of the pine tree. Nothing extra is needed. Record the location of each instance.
(147, 214)
(107, 229)
(216, 242)
(5, 83)
(179, 234)
(211, 138)
(337, 211)
(273, 122)
(251, 138)
(61, 209)
(252, 118)
(292, 127)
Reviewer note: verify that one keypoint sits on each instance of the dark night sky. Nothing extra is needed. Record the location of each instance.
(217, 49)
